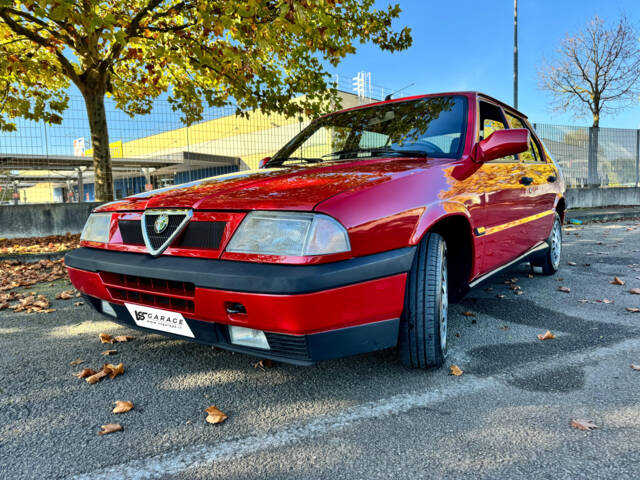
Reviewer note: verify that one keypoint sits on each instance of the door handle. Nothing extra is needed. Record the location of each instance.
(551, 178)
(526, 180)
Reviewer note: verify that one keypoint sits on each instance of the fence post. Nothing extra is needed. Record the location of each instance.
(637, 157)
(592, 162)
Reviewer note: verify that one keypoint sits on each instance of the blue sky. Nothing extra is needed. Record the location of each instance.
(468, 45)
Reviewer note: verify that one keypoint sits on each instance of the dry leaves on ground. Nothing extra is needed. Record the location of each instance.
(108, 369)
(546, 336)
(32, 304)
(122, 406)
(635, 367)
(572, 264)
(106, 338)
(109, 352)
(20, 274)
(633, 309)
(635, 291)
(469, 314)
(455, 370)
(581, 424)
(77, 361)
(31, 245)
(214, 415)
(564, 289)
(78, 304)
(617, 281)
(84, 373)
(65, 295)
(110, 428)
(264, 364)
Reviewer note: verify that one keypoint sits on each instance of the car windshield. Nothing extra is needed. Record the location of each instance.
(432, 126)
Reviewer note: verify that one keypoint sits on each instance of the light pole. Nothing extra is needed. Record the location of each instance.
(515, 54)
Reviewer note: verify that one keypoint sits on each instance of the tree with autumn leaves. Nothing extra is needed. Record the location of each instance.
(248, 53)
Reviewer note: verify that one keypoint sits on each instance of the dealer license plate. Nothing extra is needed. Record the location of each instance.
(156, 319)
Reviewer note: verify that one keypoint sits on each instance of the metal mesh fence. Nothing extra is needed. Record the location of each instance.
(606, 157)
(42, 163)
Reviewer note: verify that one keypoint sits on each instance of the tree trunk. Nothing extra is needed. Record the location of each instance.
(103, 176)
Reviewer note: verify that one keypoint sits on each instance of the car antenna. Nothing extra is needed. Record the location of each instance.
(388, 97)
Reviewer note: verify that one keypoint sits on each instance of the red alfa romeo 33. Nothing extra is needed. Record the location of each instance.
(354, 237)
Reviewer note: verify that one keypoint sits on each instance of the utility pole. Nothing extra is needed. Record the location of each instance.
(515, 54)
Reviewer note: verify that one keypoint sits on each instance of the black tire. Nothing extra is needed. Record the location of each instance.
(550, 263)
(422, 342)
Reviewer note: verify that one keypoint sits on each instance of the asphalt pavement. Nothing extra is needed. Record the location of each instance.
(507, 417)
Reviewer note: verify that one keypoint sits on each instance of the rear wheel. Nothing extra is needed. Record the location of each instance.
(423, 327)
(551, 260)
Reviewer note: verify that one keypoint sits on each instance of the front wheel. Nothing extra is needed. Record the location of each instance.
(423, 327)
(551, 260)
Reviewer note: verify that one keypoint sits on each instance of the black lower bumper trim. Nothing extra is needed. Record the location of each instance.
(245, 276)
(294, 349)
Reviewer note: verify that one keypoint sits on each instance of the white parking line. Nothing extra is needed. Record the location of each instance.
(190, 457)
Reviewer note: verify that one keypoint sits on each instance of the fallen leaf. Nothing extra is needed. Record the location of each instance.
(635, 291)
(581, 424)
(564, 289)
(122, 338)
(87, 372)
(606, 300)
(214, 415)
(77, 361)
(468, 314)
(64, 295)
(633, 309)
(122, 406)
(573, 264)
(455, 370)
(105, 338)
(78, 304)
(109, 352)
(635, 367)
(530, 275)
(112, 370)
(547, 336)
(263, 364)
(518, 292)
(617, 281)
(500, 295)
(96, 377)
(110, 428)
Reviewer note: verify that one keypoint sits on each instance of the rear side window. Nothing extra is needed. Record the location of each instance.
(533, 154)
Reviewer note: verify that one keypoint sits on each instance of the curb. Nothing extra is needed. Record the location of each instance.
(34, 257)
(605, 215)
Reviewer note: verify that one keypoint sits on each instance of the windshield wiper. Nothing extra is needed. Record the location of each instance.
(303, 159)
(378, 150)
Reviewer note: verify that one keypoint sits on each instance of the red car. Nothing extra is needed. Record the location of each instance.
(354, 237)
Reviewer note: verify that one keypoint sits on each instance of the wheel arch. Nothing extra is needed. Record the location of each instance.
(452, 222)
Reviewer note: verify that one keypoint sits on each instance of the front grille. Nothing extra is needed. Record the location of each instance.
(130, 232)
(153, 292)
(203, 235)
(156, 240)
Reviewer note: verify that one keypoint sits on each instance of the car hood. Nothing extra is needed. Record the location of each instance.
(291, 188)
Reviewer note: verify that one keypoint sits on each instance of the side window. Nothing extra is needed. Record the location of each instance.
(491, 119)
(533, 154)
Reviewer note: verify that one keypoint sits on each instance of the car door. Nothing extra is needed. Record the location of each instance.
(539, 193)
(502, 235)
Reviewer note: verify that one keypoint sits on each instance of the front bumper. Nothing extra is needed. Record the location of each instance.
(308, 313)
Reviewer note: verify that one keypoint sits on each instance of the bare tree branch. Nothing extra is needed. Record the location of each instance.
(598, 68)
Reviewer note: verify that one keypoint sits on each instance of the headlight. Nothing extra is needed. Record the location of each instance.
(97, 228)
(289, 233)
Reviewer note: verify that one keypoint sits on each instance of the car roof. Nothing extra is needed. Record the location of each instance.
(480, 95)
